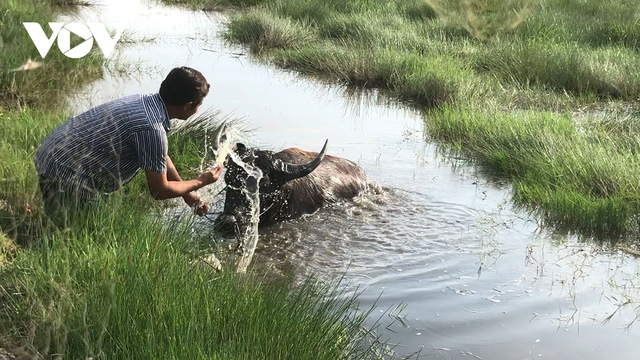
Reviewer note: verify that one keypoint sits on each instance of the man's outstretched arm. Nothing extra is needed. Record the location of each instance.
(169, 185)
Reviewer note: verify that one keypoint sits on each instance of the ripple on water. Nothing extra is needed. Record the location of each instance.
(372, 236)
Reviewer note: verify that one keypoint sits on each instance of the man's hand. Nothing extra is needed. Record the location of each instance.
(199, 205)
(169, 185)
(209, 177)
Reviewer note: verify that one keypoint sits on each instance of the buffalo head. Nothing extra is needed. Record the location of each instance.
(290, 183)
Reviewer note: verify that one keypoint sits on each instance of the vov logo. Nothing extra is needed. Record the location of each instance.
(62, 32)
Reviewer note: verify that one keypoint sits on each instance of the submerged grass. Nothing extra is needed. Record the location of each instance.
(485, 72)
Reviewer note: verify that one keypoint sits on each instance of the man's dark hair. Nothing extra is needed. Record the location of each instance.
(184, 84)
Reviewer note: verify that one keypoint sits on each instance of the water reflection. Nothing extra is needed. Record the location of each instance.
(477, 277)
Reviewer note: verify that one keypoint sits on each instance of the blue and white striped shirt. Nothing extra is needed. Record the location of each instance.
(104, 147)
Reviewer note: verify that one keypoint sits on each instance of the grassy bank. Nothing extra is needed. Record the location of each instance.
(118, 282)
(31, 104)
(488, 68)
(583, 176)
(118, 285)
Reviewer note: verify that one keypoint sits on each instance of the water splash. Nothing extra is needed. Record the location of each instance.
(225, 148)
(248, 238)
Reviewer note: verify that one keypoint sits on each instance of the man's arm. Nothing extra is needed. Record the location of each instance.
(162, 178)
(172, 175)
(162, 188)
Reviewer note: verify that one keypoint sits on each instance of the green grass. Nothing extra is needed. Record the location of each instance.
(412, 77)
(612, 72)
(263, 31)
(484, 72)
(215, 4)
(120, 285)
(583, 177)
(536, 49)
(23, 132)
(7, 249)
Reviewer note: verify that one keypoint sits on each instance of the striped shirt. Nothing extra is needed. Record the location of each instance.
(104, 147)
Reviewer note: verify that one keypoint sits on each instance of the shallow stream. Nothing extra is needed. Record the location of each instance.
(455, 272)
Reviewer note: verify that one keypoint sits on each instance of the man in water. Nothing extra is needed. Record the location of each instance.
(102, 149)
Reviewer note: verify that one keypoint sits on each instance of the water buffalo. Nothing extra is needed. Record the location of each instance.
(293, 183)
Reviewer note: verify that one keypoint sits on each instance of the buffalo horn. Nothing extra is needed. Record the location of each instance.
(289, 172)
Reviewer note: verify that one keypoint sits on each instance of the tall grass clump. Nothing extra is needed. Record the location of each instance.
(427, 81)
(69, 3)
(417, 10)
(591, 23)
(609, 73)
(190, 142)
(118, 285)
(7, 249)
(22, 133)
(264, 31)
(215, 4)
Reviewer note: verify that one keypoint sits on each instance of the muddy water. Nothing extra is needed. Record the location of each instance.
(455, 272)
